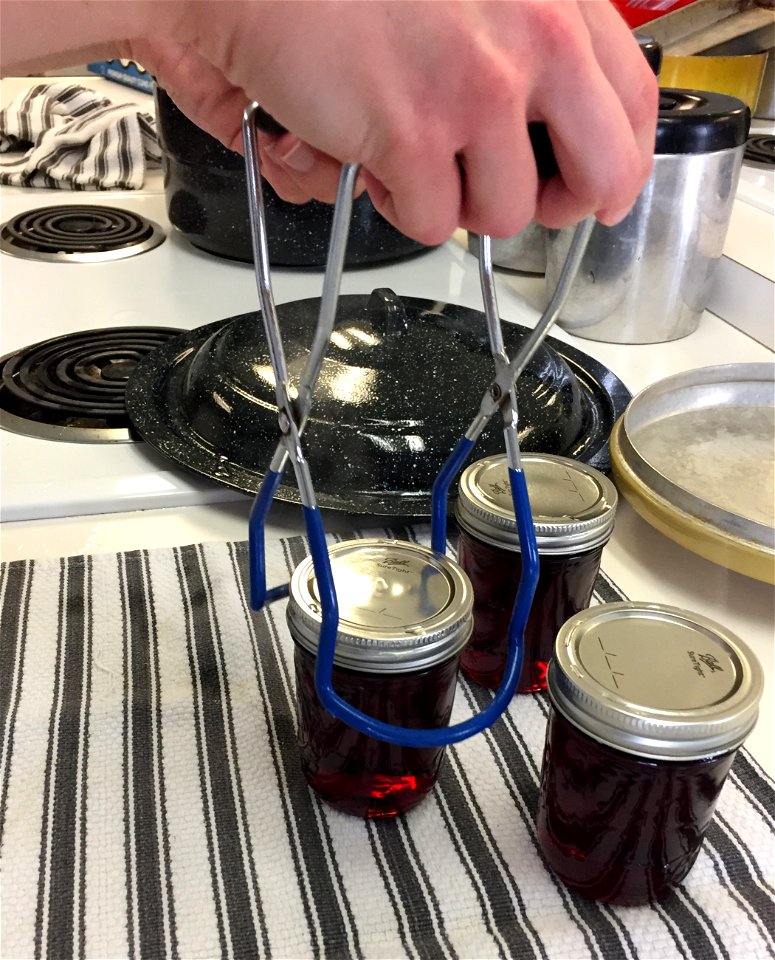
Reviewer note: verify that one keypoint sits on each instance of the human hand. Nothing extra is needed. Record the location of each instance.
(433, 99)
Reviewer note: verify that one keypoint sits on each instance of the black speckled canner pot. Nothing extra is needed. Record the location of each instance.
(207, 201)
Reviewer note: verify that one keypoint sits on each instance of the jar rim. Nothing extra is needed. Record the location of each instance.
(430, 601)
(655, 681)
(573, 505)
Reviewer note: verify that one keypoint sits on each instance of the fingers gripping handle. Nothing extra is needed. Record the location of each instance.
(546, 164)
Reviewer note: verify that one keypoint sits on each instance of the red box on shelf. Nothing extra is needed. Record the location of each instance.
(638, 12)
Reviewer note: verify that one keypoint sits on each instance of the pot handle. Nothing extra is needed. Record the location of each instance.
(543, 151)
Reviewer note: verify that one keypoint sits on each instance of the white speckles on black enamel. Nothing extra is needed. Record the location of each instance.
(401, 382)
(207, 201)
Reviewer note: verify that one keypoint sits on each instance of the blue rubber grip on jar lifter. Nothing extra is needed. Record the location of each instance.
(441, 484)
(259, 595)
(437, 736)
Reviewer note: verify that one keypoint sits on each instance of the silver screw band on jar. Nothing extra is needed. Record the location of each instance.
(402, 607)
(655, 681)
(573, 505)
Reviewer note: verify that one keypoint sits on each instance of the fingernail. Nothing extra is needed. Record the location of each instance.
(298, 156)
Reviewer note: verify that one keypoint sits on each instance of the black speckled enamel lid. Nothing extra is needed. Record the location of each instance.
(402, 380)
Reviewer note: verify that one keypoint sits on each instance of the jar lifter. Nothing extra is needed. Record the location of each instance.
(292, 418)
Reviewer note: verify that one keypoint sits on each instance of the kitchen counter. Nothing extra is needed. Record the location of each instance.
(645, 564)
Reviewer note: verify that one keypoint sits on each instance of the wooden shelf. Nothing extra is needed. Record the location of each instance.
(706, 24)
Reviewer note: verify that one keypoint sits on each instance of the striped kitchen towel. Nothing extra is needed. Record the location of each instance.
(152, 803)
(72, 138)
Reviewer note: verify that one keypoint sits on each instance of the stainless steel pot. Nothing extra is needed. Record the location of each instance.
(646, 280)
(524, 251)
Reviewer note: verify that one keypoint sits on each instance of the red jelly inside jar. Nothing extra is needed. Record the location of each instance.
(620, 828)
(573, 508)
(565, 585)
(405, 614)
(356, 773)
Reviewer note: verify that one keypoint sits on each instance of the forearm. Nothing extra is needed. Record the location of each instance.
(416, 92)
(38, 35)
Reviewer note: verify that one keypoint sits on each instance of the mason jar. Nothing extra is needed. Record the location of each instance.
(573, 507)
(649, 706)
(405, 614)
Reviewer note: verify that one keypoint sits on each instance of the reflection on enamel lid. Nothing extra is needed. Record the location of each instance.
(264, 372)
(349, 384)
(370, 339)
(344, 338)
(340, 340)
(223, 404)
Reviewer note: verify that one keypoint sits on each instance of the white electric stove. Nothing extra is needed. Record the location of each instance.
(62, 498)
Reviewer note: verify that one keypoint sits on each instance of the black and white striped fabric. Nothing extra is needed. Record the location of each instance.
(72, 138)
(152, 804)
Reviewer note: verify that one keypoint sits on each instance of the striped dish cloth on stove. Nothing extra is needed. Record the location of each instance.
(152, 803)
(71, 138)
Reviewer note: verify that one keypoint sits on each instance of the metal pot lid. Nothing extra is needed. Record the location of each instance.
(573, 505)
(401, 382)
(402, 607)
(693, 455)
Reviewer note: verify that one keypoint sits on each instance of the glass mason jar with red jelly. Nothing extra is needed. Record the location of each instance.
(405, 614)
(649, 705)
(573, 507)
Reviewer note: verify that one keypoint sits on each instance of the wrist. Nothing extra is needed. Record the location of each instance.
(53, 33)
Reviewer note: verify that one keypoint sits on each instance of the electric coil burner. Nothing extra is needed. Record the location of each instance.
(72, 387)
(760, 150)
(79, 234)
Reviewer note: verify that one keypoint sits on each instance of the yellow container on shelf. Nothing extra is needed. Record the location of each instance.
(738, 76)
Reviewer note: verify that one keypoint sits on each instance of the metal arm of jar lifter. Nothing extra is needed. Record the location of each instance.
(292, 414)
(501, 395)
(292, 417)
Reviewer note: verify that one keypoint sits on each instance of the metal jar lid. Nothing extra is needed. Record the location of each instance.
(573, 505)
(655, 681)
(402, 607)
